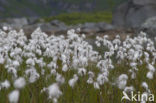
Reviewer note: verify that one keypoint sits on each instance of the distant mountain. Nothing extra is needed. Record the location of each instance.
(37, 8)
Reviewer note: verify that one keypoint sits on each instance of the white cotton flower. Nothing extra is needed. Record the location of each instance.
(2, 60)
(5, 84)
(96, 85)
(122, 84)
(101, 79)
(83, 36)
(75, 62)
(122, 81)
(32, 74)
(18, 50)
(53, 72)
(133, 65)
(14, 96)
(38, 51)
(149, 75)
(82, 71)
(90, 80)
(33, 78)
(16, 63)
(43, 90)
(52, 65)
(19, 83)
(145, 85)
(133, 74)
(63, 57)
(97, 43)
(55, 100)
(84, 61)
(123, 77)
(12, 70)
(151, 68)
(12, 54)
(60, 79)
(73, 81)
(91, 74)
(5, 28)
(54, 91)
(30, 61)
(65, 68)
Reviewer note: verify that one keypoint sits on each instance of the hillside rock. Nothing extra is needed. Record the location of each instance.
(59, 24)
(149, 26)
(144, 2)
(89, 28)
(133, 13)
(15, 23)
(104, 27)
(32, 20)
(96, 27)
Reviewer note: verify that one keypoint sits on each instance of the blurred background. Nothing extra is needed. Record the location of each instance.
(92, 16)
(44, 8)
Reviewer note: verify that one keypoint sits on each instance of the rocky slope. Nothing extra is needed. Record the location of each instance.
(134, 13)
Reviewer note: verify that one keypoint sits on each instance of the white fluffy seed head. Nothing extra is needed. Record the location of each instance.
(122, 84)
(145, 85)
(14, 96)
(60, 79)
(73, 81)
(122, 77)
(151, 68)
(5, 28)
(82, 71)
(122, 81)
(19, 83)
(90, 80)
(101, 79)
(54, 91)
(30, 61)
(16, 63)
(5, 84)
(149, 75)
(65, 68)
(2, 60)
(96, 85)
(91, 74)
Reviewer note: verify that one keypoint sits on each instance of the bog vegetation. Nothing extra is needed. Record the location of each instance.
(67, 69)
(80, 17)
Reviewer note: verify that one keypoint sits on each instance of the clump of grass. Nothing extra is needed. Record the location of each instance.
(77, 17)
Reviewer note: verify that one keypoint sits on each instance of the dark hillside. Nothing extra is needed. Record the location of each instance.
(20, 8)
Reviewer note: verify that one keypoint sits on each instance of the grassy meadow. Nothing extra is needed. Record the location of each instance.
(82, 73)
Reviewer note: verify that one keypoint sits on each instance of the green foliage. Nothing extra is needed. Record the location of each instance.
(77, 18)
